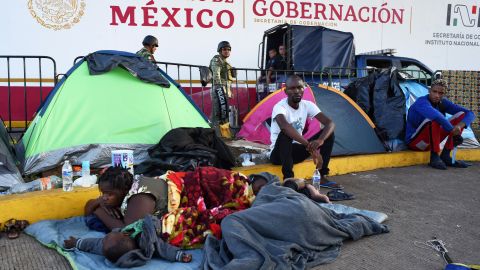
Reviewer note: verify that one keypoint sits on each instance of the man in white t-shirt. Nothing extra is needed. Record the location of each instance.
(288, 121)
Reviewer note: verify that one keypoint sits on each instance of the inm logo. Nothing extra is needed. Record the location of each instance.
(469, 15)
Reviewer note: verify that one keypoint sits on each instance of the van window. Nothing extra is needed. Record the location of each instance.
(416, 71)
(379, 63)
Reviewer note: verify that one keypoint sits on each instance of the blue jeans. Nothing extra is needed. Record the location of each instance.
(94, 223)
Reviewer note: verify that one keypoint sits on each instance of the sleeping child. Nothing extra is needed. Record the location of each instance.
(131, 246)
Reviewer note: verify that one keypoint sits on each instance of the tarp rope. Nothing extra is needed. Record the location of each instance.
(437, 245)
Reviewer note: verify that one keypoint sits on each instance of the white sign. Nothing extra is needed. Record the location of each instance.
(441, 33)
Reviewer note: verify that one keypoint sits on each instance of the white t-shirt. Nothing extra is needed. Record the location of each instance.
(295, 117)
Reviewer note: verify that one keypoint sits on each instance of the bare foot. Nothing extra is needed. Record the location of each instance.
(186, 258)
(316, 195)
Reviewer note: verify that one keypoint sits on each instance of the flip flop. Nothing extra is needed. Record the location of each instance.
(330, 184)
(339, 195)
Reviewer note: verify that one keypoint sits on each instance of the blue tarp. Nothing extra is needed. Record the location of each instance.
(51, 233)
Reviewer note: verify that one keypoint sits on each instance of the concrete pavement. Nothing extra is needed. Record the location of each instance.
(421, 203)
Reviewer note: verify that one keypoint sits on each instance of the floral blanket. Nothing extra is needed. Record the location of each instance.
(199, 200)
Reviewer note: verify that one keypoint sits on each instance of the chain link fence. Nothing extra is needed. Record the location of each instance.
(464, 89)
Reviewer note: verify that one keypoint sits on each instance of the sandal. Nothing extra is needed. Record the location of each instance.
(22, 224)
(10, 229)
(339, 195)
(14, 227)
(324, 183)
(13, 234)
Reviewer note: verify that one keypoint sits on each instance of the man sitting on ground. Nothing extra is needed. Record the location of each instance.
(427, 126)
(288, 121)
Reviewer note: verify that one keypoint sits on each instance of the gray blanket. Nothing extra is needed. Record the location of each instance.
(283, 230)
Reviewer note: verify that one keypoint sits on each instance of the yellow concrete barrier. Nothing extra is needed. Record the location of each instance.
(350, 164)
(56, 204)
(48, 204)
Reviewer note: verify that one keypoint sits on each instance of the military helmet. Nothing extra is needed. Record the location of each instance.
(223, 44)
(150, 40)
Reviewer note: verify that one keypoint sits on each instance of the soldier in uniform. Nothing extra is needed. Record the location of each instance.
(223, 76)
(150, 45)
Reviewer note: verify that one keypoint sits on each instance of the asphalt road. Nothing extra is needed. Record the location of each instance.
(421, 203)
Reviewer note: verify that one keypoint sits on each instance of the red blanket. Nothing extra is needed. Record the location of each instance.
(207, 195)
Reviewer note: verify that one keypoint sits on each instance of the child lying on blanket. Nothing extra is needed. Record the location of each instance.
(132, 246)
(259, 180)
(196, 202)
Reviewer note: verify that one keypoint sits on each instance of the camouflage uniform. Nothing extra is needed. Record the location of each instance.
(146, 54)
(222, 76)
(221, 71)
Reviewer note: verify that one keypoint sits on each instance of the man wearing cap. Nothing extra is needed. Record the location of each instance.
(150, 45)
(289, 146)
(222, 77)
(427, 126)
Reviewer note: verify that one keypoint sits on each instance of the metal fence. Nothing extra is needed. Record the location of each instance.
(247, 87)
(25, 82)
(194, 81)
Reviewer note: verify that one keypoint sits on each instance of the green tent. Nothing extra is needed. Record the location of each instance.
(127, 104)
(9, 173)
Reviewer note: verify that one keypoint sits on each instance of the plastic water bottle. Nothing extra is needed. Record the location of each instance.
(85, 168)
(67, 176)
(316, 179)
(45, 183)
